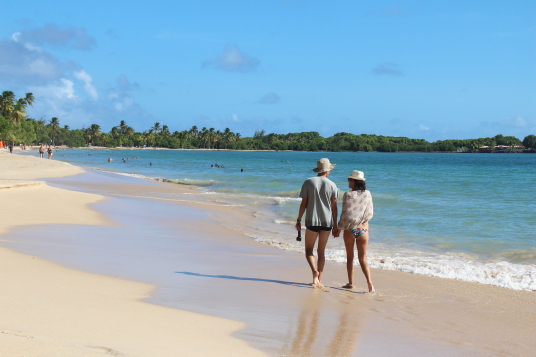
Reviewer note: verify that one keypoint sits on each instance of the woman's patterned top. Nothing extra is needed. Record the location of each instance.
(356, 209)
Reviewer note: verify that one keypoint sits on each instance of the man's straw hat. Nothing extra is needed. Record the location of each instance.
(357, 175)
(323, 165)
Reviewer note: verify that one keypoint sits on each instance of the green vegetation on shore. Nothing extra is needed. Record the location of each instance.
(17, 128)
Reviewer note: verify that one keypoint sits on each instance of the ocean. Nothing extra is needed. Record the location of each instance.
(459, 216)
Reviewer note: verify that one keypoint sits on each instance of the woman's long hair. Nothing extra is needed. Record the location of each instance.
(359, 185)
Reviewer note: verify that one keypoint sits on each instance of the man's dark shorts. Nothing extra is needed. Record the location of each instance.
(317, 229)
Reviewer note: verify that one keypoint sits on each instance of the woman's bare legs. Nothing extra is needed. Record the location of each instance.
(362, 245)
(349, 242)
(310, 240)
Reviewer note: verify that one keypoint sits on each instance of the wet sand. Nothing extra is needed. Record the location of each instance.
(198, 264)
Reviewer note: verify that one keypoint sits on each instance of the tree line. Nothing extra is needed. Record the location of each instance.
(17, 128)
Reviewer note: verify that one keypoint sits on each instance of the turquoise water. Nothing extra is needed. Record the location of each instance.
(461, 216)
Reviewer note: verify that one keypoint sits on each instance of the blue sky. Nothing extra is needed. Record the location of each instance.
(422, 69)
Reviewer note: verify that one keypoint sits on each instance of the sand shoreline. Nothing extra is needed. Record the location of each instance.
(266, 289)
(51, 310)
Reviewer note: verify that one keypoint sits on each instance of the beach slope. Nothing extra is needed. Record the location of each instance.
(50, 310)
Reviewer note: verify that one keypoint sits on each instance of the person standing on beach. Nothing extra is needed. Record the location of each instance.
(41, 151)
(319, 203)
(357, 211)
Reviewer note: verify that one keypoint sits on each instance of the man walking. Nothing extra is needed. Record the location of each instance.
(319, 203)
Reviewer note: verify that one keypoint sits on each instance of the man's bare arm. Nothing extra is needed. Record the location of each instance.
(303, 206)
(335, 213)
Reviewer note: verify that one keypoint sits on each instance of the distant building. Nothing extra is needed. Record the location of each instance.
(501, 149)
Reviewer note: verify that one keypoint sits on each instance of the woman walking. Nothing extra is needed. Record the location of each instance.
(357, 210)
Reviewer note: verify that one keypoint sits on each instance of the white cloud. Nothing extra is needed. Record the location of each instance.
(88, 86)
(422, 127)
(121, 96)
(25, 65)
(61, 89)
(51, 34)
(269, 98)
(387, 68)
(232, 59)
(517, 121)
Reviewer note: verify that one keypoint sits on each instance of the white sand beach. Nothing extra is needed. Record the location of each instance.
(50, 310)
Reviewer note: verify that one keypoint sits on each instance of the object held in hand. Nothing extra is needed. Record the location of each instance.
(298, 238)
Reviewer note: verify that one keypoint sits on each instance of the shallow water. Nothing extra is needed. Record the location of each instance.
(460, 216)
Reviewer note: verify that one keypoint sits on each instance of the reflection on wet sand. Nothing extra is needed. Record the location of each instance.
(325, 326)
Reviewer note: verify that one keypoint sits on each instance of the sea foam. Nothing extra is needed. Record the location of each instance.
(450, 265)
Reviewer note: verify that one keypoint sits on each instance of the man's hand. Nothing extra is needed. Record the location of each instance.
(298, 226)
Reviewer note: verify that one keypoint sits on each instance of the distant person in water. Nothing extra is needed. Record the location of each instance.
(357, 211)
(319, 203)
(150, 164)
(110, 159)
(41, 151)
(49, 151)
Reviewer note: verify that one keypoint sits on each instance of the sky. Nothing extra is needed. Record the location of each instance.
(425, 69)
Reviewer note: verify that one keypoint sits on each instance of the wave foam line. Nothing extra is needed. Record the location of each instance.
(449, 266)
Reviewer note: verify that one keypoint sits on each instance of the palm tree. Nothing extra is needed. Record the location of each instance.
(95, 132)
(7, 101)
(19, 111)
(156, 128)
(165, 130)
(115, 132)
(203, 137)
(122, 126)
(30, 99)
(226, 136)
(54, 125)
(12, 108)
(194, 132)
(128, 130)
(150, 137)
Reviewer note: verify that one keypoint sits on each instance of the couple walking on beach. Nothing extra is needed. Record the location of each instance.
(319, 203)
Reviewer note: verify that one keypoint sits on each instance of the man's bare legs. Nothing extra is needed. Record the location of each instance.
(310, 240)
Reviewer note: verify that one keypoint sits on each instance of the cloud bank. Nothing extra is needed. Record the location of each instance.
(269, 98)
(50, 34)
(25, 65)
(387, 68)
(232, 59)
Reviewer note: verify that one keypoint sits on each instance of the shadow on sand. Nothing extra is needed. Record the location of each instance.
(230, 277)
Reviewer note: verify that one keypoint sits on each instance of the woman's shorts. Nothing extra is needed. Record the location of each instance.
(317, 229)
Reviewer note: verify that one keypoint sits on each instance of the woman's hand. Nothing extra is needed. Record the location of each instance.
(336, 232)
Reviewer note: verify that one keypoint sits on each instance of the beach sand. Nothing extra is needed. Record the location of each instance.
(200, 265)
(50, 310)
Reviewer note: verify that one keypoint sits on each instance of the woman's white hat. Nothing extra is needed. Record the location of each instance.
(357, 175)
(323, 165)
